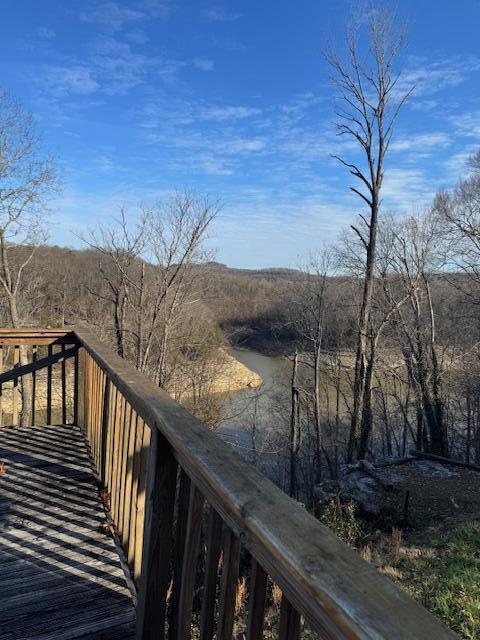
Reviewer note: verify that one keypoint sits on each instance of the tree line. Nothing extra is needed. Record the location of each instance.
(381, 329)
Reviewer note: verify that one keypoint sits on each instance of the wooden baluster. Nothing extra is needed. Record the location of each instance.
(101, 411)
(64, 390)
(256, 601)
(16, 360)
(141, 498)
(91, 403)
(98, 419)
(34, 384)
(116, 454)
(179, 546)
(128, 489)
(89, 396)
(49, 388)
(93, 409)
(123, 467)
(135, 491)
(76, 396)
(80, 381)
(111, 437)
(190, 561)
(86, 395)
(105, 430)
(214, 539)
(289, 621)
(228, 588)
(1, 387)
(157, 540)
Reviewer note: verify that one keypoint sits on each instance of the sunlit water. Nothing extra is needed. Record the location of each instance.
(250, 413)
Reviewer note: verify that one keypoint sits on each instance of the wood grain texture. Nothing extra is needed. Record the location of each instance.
(256, 601)
(190, 561)
(157, 541)
(341, 596)
(214, 539)
(228, 587)
(289, 622)
(61, 577)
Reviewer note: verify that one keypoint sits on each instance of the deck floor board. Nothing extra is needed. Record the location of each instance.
(61, 578)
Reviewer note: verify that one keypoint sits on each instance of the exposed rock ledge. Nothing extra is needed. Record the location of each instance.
(222, 373)
(231, 375)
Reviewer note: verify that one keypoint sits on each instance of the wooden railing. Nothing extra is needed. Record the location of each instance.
(41, 370)
(193, 517)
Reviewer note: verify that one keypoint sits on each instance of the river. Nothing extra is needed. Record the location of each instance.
(249, 414)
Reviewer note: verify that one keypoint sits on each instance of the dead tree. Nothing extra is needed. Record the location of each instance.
(369, 102)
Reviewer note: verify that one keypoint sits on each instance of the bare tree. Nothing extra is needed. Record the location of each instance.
(459, 211)
(369, 102)
(418, 253)
(175, 245)
(121, 248)
(150, 268)
(27, 182)
(310, 321)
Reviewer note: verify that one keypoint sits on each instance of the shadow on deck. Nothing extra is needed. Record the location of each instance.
(61, 576)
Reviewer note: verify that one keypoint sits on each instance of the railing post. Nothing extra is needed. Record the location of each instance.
(157, 539)
(105, 419)
(79, 388)
(76, 401)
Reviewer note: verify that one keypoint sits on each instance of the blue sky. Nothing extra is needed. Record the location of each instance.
(136, 98)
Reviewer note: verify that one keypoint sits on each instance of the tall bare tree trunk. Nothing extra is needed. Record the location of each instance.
(367, 111)
(363, 367)
(294, 428)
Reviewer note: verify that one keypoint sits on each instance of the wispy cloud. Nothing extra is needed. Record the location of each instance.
(137, 36)
(457, 165)
(428, 78)
(424, 142)
(111, 15)
(407, 189)
(117, 66)
(111, 67)
(204, 64)
(467, 124)
(221, 14)
(114, 16)
(44, 32)
(222, 114)
(64, 81)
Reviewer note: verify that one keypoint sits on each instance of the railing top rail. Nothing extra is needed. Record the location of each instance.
(341, 595)
(27, 336)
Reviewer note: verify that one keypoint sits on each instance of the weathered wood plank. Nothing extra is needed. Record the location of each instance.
(256, 601)
(49, 385)
(157, 540)
(190, 561)
(15, 394)
(36, 365)
(61, 576)
(228, 590)
(64, 385)
(340, 595)
(1, 387)
(34, 385)
(214, 539)
(140, 505)
(178, 551)
(289, 622)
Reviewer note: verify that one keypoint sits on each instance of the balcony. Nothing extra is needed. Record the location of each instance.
(122, 516)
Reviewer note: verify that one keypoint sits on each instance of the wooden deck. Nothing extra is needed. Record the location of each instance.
(61, 577)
